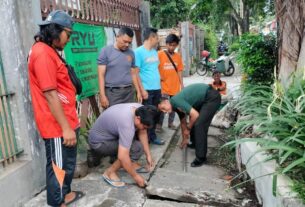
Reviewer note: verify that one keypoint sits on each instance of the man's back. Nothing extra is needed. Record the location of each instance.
(191, 96)
(115, 123)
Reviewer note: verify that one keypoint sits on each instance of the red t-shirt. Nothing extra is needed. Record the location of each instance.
(47, 72)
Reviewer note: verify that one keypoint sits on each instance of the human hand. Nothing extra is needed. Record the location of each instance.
(184, 143)
(69, 137)
(139, 97)
(141, 182)
(104, 101)
(150, 163)
(144, 94)
(186, 133)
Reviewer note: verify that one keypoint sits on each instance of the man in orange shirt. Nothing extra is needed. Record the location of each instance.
(217, 84)
(170, 68)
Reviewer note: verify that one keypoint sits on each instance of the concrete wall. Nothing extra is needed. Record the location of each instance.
(191, 45)
(262, 173)
(185, 48)
(145, 14)
(20, 180)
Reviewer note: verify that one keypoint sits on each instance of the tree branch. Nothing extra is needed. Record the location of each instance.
(235, 15)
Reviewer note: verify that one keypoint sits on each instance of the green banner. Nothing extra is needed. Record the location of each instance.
(82, 51)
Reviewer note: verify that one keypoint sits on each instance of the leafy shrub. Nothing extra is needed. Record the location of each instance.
(234, 47)
(210, 39)
(257, 56)
(279, 117)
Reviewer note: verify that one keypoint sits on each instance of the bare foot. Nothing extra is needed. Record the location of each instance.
(69, 197)
(112, 175)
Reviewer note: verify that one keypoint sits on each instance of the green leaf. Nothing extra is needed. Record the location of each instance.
(294, 164)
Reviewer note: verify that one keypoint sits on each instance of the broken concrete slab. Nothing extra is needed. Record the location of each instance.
(176, 160)
(98, 193)
(158, 203)
(213, 142)
(213, 131)
(210, 171)
(187, 187)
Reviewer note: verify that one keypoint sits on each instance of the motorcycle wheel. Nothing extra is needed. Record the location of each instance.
(230, 70)
(201, 69)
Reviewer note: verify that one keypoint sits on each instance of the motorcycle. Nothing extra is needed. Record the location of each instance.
(223, 64)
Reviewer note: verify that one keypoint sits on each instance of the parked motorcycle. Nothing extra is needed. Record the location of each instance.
(223, 64)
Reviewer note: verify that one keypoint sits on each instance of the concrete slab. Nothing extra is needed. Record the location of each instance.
(213, 172)
(158, 203)
(213, 131)
(198, 185)
(98, 193)
(213, 142)
(187, 187)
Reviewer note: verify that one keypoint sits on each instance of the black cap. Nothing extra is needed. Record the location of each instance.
(58, 17)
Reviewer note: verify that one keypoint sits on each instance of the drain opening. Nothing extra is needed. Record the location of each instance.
(160, 198)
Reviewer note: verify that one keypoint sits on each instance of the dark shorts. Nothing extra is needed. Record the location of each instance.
(110, 148)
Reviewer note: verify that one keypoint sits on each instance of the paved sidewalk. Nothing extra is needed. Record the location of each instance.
(167, 183)
(99, 193)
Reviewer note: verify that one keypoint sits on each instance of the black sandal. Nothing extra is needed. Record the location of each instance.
(78, 195)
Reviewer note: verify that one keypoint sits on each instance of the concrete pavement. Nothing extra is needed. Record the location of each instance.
(168, 184)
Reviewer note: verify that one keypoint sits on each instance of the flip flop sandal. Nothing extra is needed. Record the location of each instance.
(78, 195)
(113, 183)
(142, 170)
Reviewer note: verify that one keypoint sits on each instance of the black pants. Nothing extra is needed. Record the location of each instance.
(154, 97)
(199, 132)
(61, 161)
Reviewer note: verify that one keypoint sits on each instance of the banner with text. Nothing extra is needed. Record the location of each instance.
(82, 51)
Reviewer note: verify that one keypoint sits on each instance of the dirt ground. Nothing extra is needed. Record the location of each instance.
(225, 158)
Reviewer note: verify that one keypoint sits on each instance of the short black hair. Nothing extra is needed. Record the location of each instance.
(148, 115)
(48, 33)
(149, 32)
(171, 38)
(125, 30)
(215, 72)
(163, 98)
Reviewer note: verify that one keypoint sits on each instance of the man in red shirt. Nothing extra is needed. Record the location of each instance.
(53, 99)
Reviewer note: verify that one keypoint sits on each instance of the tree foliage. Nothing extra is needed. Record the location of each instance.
(167, 13)
(257, 56)
(235, 12)
(226, 15)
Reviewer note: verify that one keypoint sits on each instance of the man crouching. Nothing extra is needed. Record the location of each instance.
(122, 130)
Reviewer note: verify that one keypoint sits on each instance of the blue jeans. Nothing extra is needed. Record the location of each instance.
(154, 97)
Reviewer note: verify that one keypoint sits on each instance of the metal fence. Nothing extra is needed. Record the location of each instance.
(101, 12)
(8, 144)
